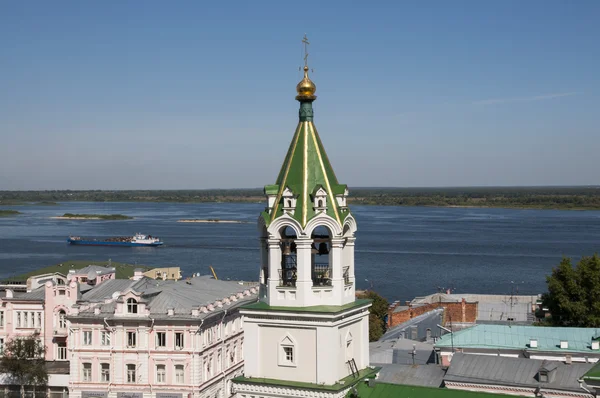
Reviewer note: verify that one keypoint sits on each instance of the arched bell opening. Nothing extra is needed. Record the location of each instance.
(321, 271)
(289, 261)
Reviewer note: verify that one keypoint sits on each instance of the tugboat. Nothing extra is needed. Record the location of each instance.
(128, 241)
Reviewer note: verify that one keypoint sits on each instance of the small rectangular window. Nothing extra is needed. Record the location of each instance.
(61, 351)
(87, 337)
(179, 374)
(105, 372)
(131, 373)
(179, 341)
(289, 354)
(87, 372)
(161, 374)
(161, 339)
(131, 339)
(18, 315)
(1, 346)
(1, 319)
(105, 338)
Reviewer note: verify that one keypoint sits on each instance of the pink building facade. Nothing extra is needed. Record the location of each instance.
(157, 339)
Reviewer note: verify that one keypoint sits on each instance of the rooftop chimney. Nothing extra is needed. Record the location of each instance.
(564, 344)
(595, 344)
(533, 343)
(138, 274)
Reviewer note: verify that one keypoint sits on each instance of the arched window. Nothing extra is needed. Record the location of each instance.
(289, 265)
(62, 319)
(321, 271)
(132, 306)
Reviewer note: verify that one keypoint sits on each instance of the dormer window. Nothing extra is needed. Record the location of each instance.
(132, 306)
(543, 376)
(319, 199)
(289, 201)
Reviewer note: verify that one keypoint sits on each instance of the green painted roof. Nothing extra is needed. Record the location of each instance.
(385, 390)
(346, 382)
(518, 338)
(315, 309)
(306, 166)
(593, 373)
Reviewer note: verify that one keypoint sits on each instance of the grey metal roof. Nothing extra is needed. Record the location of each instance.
(106, 289)
(523, 372)
(93, 270)
(415, 375)
(38, 294)
(396, 331)
(400, 352)
(161, 296)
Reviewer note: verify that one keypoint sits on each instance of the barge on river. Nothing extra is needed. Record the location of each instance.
(128, 241)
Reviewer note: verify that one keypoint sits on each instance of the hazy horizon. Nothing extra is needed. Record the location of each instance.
(154, 95)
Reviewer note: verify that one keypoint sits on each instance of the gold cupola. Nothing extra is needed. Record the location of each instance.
(306, 88)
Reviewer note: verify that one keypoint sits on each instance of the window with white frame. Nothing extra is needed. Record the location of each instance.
(18, 316)
(161, 339)
(86, 372)
(287, 352)
(1, 319)
(105, 338)
(179, 374)
(39, 320)
(105, 372)
(131, 373)
(161, 374)
(132, 306)
(87, 337)
(31, 320)
(62, 319)
(131, 338)
(61, 351)
(178, 340)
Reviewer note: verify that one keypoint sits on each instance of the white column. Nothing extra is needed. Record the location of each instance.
(274, 267)
(336, 263)
(304, 281)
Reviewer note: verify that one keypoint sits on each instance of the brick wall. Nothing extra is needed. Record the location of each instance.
(462, 312)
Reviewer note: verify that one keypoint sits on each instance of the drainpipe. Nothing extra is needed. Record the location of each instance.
(194, 355)
(148, 345)
(222, 352)
(581, 385)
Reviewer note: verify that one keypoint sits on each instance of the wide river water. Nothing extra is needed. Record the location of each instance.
(401, 252)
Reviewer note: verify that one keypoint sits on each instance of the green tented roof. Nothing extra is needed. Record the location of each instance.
(305, 167)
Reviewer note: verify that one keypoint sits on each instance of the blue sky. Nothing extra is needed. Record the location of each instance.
(168, 95)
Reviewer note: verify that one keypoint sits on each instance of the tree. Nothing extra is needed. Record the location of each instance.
(378, 316)
(23, 359)
(573, 297)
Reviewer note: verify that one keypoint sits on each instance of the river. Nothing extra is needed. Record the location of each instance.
(401, 252)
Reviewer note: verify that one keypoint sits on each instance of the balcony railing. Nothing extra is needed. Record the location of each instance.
(321, 274)
(287, 277)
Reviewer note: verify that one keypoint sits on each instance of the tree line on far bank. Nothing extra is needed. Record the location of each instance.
(508, 197)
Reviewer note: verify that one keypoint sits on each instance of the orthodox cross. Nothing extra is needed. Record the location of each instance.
(306, 43)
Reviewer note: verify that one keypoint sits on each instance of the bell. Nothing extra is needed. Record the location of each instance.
(323, 249)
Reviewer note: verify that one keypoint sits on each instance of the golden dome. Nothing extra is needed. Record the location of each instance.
(306, 88)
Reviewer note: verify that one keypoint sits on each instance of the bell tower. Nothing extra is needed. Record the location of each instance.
(308, 327)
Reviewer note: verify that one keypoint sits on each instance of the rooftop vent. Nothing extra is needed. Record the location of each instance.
(533, 343)
(564, 344)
